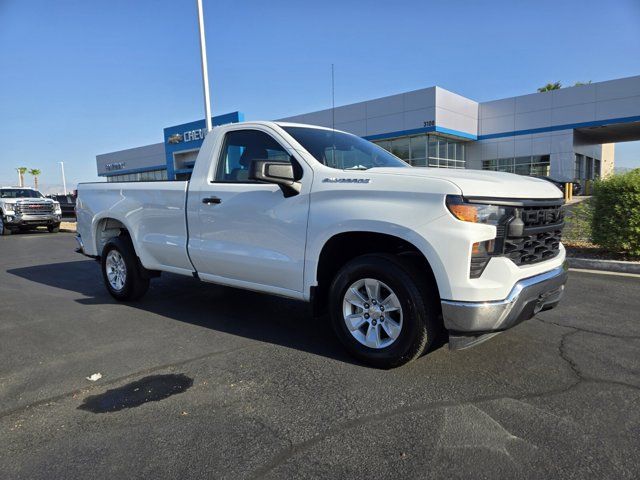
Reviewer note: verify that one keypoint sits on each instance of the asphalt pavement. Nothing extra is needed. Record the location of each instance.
(202, 381)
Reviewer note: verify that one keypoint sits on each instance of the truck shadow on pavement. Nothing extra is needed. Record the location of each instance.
(238, 312)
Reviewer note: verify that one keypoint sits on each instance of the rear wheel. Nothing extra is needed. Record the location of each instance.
(121, 270)
(383, 310)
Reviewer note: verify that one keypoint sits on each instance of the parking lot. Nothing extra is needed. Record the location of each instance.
(201, 381)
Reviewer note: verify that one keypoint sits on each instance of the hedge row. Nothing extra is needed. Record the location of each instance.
(616, 213)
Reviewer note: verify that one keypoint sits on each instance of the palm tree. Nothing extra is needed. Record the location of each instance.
(21, 172)
(35, 172)
(550, 86)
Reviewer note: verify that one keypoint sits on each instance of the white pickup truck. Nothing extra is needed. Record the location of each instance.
(397, 255)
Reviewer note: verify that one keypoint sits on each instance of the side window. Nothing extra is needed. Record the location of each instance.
(240, 148)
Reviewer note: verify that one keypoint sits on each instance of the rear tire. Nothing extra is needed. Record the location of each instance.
(411, 313)
(121, 270)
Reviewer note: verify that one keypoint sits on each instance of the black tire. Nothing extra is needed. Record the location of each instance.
(4, 230)
(135, 284)
(53, 228)
(418, 299)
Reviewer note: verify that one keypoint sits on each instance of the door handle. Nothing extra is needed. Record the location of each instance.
(210, 200)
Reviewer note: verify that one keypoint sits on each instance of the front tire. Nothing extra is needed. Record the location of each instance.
(4, 230)
(383, 310)
(121, 270)
(53, 228)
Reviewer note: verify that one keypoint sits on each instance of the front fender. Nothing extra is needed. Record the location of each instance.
(316, 244)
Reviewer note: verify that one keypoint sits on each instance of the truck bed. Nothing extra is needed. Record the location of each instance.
(152, 212)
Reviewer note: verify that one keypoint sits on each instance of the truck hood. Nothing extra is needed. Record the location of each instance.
(480, 183)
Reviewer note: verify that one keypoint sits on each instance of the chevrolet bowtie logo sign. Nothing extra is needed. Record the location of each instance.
(175, 138)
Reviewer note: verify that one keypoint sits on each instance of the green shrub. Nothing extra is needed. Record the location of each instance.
(616, 213)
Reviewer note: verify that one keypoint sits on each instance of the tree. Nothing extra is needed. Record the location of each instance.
(35, 172)
(577, 84)
(21, 171)
(550, 86)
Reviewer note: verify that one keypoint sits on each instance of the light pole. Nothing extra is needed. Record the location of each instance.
(205, 74)
(64, 180)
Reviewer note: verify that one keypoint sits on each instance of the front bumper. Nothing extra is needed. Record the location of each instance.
(19, 220)
(470, 323)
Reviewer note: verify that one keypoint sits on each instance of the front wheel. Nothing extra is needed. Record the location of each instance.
(383, 310)
(3, 227)
(121, 270)
(53, 228)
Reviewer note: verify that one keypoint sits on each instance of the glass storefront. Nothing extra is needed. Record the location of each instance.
(535, 165)
(427, 150)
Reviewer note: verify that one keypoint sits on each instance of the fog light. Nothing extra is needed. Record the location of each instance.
(9, 219)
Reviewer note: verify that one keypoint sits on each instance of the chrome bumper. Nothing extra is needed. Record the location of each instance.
(470, 323)
(18, 219)
(80, 248)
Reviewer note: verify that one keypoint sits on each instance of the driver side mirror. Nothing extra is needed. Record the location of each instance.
(279, 173)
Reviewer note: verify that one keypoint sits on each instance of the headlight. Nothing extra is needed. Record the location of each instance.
(56, 208)
(487, 214)
(477, 212)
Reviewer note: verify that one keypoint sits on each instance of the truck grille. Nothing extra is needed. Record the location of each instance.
(541, 236)
(34, 208)
(533, 248)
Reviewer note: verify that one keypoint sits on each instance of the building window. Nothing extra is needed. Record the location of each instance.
(589, 172)
(445, 152)
(579, 171)
(401, 149)
(596, 168)
(418, 151)
(427, 150)
(536, 165)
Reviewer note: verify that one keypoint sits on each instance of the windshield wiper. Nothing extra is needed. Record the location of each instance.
(357, 167)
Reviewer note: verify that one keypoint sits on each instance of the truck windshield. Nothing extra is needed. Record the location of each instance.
(19, 193)
(342, 150)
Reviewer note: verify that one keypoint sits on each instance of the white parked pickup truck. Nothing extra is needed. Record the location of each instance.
(397, 255)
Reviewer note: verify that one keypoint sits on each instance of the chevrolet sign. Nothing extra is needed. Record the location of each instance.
(188, 136)
(114, 166)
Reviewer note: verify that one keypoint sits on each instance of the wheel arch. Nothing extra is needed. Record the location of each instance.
(106, 228)
(346, 245)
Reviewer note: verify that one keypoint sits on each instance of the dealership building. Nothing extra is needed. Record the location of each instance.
(566, 134)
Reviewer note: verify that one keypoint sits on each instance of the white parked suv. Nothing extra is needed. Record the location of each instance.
(24, 208)
(397, 255)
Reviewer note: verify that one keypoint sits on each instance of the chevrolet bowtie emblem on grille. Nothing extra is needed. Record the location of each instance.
(346, 180)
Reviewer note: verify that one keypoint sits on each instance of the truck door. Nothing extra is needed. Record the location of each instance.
(247, 233)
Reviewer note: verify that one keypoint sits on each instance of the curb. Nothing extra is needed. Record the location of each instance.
(606, 265)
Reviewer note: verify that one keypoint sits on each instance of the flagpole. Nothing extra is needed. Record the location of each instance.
(205, 74)
(64, 180)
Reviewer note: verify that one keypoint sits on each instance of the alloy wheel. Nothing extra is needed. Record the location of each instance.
(372, 313)
(116, 270)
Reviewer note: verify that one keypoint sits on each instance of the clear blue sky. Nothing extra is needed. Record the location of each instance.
(79, 78)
